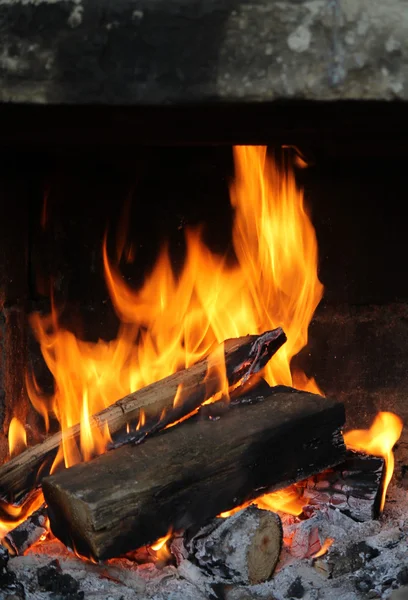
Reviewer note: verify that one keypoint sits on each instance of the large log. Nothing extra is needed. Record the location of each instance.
(244, 357)
(189, 473)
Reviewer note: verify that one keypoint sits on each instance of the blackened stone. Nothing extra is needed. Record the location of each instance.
(354, 558)
(402, 576)
(368, 552)
(9, 586)
(76, 596)
(4, 558)
(296, 589)
(51, 579)
(363, 583)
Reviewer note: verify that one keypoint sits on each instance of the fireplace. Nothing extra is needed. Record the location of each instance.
(131, 161)
(75, 206)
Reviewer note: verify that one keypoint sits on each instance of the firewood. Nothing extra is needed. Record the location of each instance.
(241, 549)
(193, 471)
(243, 358)
(354, 487)
(19, 539)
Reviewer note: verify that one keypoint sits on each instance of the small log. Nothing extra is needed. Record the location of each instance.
(192, 472)
(19, 539)
(354, 487)
(243, 358)
(241, 549)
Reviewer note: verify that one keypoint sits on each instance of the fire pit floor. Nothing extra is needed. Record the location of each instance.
(365, 560)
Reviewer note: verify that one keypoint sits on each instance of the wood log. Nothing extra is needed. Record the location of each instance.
(354, 487)
(243, 358)
(192, 472)
(241, 549)
(22, 537)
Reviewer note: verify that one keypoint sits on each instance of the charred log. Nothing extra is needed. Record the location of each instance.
(190, 473)
(354, 487)
(243, 358)
(241, 549)
(22, 537)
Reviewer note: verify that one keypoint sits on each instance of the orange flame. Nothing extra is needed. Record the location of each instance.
(287, 500)
(171, 322)
(379, 440)
(328, 542)
(161, 547)
(17, 437)
(17, 514)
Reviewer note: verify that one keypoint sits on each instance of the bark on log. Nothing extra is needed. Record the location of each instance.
(192, 472)
(22, 537)
(243, 357)
(354, 487)
(241, 549)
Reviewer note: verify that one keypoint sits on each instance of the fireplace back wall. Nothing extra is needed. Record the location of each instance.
(57, 206)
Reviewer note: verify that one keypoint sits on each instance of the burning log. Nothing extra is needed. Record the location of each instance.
(243, 358)
(354, 487)
(241, 549)
(192, 472)
(19, 539)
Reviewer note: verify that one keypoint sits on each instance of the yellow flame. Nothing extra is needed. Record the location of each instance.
(161, 546)
(142, 419)
(17, 437)
(171, 322)
(379, 440)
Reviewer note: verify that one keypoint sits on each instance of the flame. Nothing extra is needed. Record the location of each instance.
(379, 440)
(287, 500)
(161, 547)
(17, 437)
(142, 419)
(328, 542)
(172, 321)
(13, 515)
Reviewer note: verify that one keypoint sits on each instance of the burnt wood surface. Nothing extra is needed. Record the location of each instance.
(241, 549)
(25, 535)
(354, 487)
(243, 358)
(191, 472)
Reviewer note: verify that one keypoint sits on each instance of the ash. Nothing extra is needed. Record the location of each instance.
(365, 561)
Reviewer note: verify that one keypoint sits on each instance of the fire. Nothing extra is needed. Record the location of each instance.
(287, 500)
(379, 440)
(17, 514)
(328, 542)
(171, 322)
(161, 547)
(17, 437)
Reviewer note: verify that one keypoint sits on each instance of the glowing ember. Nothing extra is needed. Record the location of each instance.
(379, 440)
